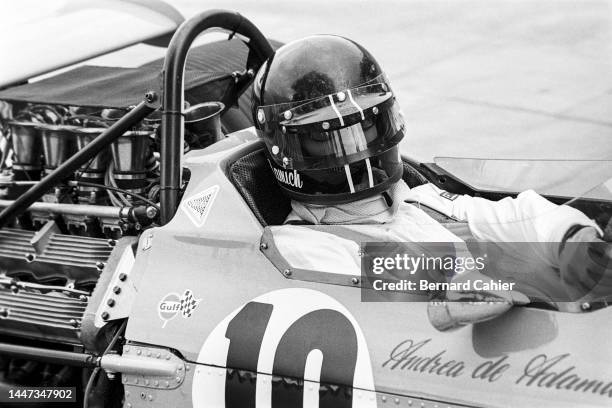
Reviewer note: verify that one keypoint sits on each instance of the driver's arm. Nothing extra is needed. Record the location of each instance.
(526, 218)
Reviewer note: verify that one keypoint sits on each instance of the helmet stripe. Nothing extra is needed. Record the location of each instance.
(370, 177)
(349, 177)
(331, 100)
(355, 104)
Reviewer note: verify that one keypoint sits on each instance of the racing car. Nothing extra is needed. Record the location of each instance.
(138, 265)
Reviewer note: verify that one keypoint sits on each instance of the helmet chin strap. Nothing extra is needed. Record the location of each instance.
(378, 209)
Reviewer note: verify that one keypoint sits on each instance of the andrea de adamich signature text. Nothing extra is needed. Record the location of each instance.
(554, 372)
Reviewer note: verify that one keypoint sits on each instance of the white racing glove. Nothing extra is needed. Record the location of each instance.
(585, 265)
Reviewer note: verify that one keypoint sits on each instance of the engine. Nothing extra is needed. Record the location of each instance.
(65, 263)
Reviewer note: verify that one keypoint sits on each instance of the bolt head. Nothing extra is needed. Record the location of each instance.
(151, 212)
(261, 116)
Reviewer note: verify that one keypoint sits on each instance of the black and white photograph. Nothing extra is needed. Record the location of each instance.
(307, 203)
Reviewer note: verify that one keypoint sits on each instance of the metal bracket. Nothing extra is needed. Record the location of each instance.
(40, 240)
(146, 367)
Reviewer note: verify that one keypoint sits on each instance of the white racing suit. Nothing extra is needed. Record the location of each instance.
(528, 218)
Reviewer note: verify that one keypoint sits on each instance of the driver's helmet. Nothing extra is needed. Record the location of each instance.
(329, 120)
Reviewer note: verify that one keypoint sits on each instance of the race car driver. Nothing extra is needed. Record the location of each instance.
(331, 125)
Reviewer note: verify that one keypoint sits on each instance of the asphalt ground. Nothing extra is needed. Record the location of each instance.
(485, 78)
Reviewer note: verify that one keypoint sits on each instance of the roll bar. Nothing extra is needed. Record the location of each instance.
(172, 98)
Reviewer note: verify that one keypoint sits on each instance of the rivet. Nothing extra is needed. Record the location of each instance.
(111, 242)
(158, 355)
(354, 281)
(110, 302)
(29, 257)
(83, 298)
(341, 96)
(168, 357)
(139, 352)
(116, 290)
(143, 395)
(275, 150)
(125, 379)
(287, 115)
(187, 367)
(285, 161)
(409, 403)
(127, 393)
(180, 368)
(126, 349)
(156, 383)
(100, 265)
(325, 125)
(422, 405)
(105, 315)
(135, 380)
(167, 384)
(178, 379)
(383, 398)
(261, 116)
(129, 405)
(585, 306)
(375, 110)
(122, 276)
(150, 397)
(287, 272)
(263, 246)
(146, 382)
(284, 129)
(74, 322)
(383, 87)
(148, 353)
(397, 401)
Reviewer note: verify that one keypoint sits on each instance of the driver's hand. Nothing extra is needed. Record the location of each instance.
(586, 266)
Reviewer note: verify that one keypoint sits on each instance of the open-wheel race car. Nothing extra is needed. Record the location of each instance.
(138, 260)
